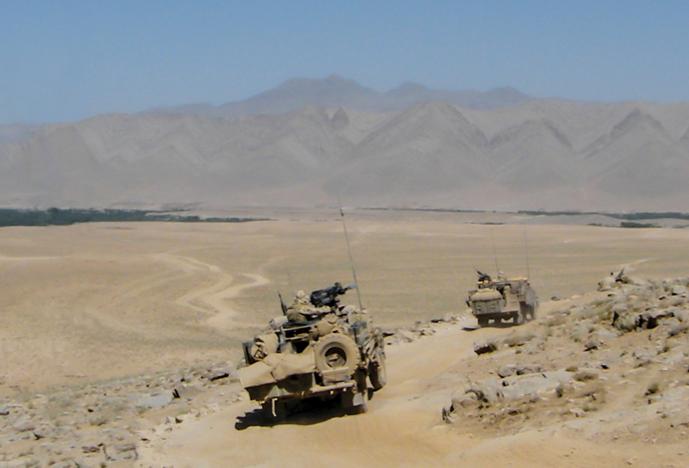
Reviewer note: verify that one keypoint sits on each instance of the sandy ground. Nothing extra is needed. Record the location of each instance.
(94, 301)
(403, 426)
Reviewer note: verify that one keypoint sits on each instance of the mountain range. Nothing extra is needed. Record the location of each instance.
(335, 91)
(308, 142)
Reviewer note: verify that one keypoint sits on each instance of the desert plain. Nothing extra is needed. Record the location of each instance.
(100, 305)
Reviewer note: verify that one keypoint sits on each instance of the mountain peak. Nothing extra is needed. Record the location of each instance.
(340, 119)
(530, 128)
(685, 137)
(636, 119)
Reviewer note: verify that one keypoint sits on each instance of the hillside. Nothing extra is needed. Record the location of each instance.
(308, 141)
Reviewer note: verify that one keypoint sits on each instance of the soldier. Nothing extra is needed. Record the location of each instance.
(303, 310)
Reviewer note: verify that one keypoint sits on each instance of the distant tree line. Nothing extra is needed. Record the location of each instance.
(65, 217)
(632, 224)
(626, 216)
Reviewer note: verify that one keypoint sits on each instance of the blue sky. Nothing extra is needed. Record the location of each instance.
(66, 60)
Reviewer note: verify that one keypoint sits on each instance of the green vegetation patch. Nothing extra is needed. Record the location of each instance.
(65, 217)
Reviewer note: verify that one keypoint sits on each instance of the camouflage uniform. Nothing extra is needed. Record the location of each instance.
(302, 310)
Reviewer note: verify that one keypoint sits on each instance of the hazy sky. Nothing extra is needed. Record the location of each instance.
(64, 60)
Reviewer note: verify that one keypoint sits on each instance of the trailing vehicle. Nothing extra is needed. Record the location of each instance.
(318, 349)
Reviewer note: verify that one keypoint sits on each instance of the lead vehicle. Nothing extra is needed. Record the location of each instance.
(331, 352)
(504, 299)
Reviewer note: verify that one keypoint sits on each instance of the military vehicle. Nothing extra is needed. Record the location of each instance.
(502, 299)
(318, 349)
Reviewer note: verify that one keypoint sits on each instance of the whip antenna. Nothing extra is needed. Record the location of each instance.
(526, 254)
(349, 253)
(495, 255)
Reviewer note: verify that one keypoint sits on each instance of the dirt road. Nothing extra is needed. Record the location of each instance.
(403, 426)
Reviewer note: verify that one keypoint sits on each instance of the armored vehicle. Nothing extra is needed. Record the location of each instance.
(502, 299)
(318, 349)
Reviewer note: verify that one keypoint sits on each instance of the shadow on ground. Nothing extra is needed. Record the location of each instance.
(305, 413)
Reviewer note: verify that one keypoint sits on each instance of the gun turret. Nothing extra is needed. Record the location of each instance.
(483, 277)
(329, 297)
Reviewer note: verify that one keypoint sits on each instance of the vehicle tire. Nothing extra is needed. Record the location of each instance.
(336, 351)
(518, 318)
(483, 322)
(350, 406)
(527, 312)
(378, 373)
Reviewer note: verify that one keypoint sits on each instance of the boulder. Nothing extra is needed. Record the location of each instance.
(516, 369)
(156, 400)
(485, 347)
(121, 452)
(518, 339)
(534, 385)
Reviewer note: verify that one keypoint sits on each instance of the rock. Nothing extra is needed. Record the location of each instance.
(486, 391)
(91, 448)
(682, 315)
(121, 452)
(185, 392)
(23, 424)
(450, 318)
(485, 347)
(592, 344)
(534, 385)
(518, 339)
(218, 375)
(625, 323)
(607, 283)
(585, 375)
(679, 290)
(4, 411)
(406, 336)
(652, 389)
(514, 369)
(66, 464)
(677, 329)
(156, 400)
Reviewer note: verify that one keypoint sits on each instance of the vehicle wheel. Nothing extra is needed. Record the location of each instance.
(378, 373)
(527, 312)
(518, 318)
(483, 322)
(355, 402)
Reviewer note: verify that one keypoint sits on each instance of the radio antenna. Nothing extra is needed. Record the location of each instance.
(495, 255)
(349, 253)
(526, 254)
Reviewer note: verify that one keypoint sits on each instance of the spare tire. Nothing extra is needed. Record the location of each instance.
(336, 352)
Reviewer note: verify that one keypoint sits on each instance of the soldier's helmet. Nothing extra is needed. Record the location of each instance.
(301, 295)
